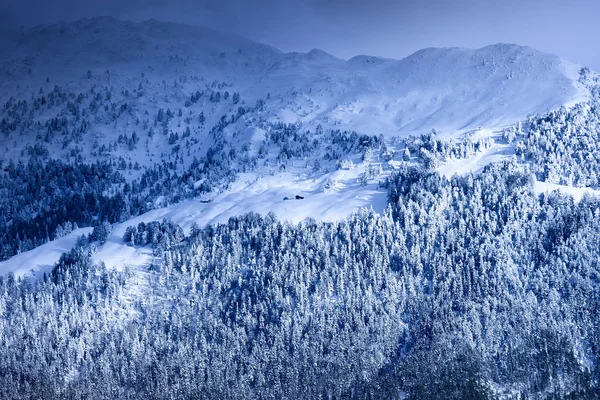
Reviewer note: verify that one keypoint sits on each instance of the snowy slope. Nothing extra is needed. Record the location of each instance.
(449, 89)
(452, 90)
(576, 192)
(36, 262)
(120, 75)
(249, 194)
(252, 194)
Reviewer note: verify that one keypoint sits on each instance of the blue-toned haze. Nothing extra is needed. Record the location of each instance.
(346, 28)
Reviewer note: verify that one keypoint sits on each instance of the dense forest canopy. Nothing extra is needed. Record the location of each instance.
(470, 287)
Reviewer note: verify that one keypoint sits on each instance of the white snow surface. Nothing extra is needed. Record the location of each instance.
(249, 194)
(576, 192)
(34, 263)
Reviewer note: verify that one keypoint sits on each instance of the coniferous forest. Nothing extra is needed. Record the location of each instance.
(465, 288)
(436, 262)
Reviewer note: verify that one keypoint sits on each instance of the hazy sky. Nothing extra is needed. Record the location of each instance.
(570, 28)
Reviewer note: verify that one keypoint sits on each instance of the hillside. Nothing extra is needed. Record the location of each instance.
(189, 214)
(120, 74)
(172, 112)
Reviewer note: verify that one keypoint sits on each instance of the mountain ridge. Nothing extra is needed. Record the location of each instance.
(159, 28)
(144, 67)
(451, 90)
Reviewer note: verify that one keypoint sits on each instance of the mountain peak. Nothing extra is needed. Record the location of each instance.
(321, 55)
(364, 59)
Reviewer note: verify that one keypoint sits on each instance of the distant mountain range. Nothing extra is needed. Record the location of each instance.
(449, 89)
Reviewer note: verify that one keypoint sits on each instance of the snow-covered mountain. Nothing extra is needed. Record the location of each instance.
(140, 95)
(449, 89)
(191, 214)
